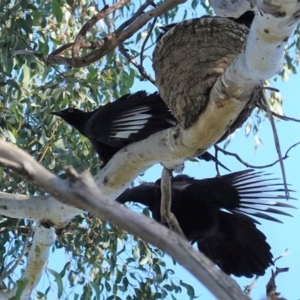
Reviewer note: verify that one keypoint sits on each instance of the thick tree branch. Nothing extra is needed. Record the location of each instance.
(81, 191)
(262, 59)
(37, 208)
(43, 240)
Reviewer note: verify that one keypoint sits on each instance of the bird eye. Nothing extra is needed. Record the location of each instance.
(70, 110)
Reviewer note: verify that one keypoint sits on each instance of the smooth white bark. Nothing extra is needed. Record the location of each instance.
(229, 8)
(37, 208)
(43, 240)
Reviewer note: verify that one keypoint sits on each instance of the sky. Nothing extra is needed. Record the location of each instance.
(279, 236)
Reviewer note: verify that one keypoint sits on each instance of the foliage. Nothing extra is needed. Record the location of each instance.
(104, 261)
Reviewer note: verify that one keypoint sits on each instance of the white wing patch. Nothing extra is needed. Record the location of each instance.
(134, 118)
(172, 122)
(130, 123)
(124, 134)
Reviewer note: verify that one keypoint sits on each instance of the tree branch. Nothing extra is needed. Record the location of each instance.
(252, 166)
(88, 25)
(38, 256)
(136, 64)
(262, 58)
(271, 287)
(81, 191)
(113, 40)
(37, 208)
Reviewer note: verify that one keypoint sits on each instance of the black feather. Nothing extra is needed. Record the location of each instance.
(217, 214)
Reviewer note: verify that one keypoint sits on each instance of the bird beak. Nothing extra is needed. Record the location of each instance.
(57, 113)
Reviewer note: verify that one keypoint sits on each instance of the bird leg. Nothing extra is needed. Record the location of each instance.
(167, 217)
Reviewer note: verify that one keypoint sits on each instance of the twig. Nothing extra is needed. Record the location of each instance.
(134, 16)
(216, 163)
(283, 254)
(147, 38)
(285, 118)
(138, 66)
(271, 287)
(250, 287)
(167, 217)
(266, 107)
(252, 166)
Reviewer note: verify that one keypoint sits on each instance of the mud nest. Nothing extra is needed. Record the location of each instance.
(190, 57)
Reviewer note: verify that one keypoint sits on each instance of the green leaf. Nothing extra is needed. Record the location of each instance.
(146, 258)
(21, 285)
(23, 24)
(130, 79)
(189, 288)
(107, 286)
(59, 282)
(56, 7)
(96, 288)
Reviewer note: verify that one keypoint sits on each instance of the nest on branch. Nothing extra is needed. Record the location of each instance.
(190, 57)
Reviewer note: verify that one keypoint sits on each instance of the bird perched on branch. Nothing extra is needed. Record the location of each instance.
(131, 118)
(217, 214)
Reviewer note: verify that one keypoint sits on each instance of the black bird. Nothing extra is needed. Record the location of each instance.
(131, 118)
(245, 19)
(216, 213)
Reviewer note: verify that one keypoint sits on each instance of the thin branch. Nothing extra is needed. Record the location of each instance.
(271, 287)
(138, 66)
(87, 45)
(285, 118)
(81, 191)
(167, 217)
(252, 166)
(261, 106)
(43, 240)
(147, 38)
(137, 14)
(264, 103)
(283, 254)
(216, 162)
(250, 287)
(89, 24)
